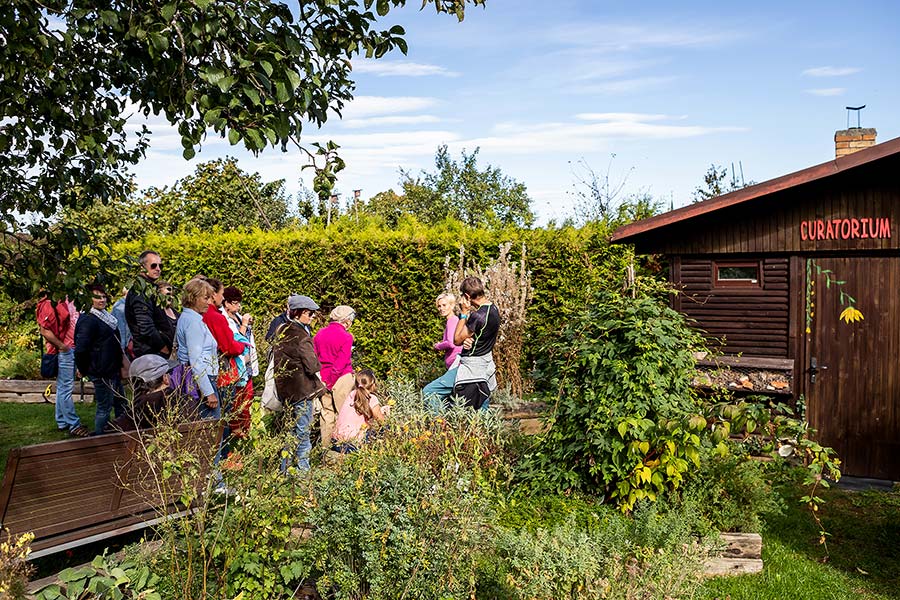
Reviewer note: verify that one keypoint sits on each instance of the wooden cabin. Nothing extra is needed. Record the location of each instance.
(803, 271)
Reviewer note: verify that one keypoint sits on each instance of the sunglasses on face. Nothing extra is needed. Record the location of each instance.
(154, 266)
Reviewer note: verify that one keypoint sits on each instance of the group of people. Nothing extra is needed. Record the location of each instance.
(206, 357)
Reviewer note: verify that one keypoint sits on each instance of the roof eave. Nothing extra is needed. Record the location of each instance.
(832, 167)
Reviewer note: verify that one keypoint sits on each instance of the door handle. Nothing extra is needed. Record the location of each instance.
(814, 368)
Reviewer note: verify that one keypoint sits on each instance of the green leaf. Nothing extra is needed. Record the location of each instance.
(159, 41)
(234, 136)
(167, 12)
(252, 94)
(266, 66)
(189, 153)
(293, 78)
(212, 74)
(281, 92)
(225, 83)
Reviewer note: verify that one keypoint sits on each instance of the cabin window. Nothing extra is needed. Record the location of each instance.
(737, 274)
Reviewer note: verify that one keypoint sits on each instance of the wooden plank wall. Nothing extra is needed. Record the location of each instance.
(752, 320)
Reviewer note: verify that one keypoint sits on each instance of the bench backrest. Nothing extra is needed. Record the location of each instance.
(79, 491)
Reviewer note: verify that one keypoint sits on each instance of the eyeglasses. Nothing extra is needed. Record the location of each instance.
(155, 266)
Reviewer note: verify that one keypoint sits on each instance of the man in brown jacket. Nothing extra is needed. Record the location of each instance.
(297, 372)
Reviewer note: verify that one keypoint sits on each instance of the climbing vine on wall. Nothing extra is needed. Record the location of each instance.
(850, 314)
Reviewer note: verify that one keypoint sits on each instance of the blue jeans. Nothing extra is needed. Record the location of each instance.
(438, 391)
(303, 412)
(66, 417)
(109, 396)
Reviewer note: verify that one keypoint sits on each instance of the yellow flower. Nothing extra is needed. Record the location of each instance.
(851, 315)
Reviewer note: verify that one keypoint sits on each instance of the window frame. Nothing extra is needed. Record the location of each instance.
(737, 283)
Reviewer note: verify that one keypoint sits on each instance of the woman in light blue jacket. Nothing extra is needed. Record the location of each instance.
(196, 346)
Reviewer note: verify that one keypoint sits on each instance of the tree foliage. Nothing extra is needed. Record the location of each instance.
(217, 194)
(717, 182)
(600, 199)
(459, 190)
(73, 71)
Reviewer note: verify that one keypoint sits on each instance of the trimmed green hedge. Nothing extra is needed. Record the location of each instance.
(391, 277)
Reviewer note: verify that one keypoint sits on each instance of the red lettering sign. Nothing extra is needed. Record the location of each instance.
(846, 229)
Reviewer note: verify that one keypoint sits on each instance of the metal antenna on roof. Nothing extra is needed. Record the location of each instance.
(857, 109)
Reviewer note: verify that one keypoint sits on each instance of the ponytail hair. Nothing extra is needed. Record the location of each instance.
(365, 389)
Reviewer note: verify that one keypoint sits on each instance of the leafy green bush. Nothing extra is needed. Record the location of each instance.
(731, 492)
(20, 353)
(625, 420)
(105, 577)
(652, 554)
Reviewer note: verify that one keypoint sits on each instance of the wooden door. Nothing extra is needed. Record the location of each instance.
(854, 398)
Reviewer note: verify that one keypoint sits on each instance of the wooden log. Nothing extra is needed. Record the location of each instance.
(742, 545)
(22, 398)
(727, 567)
(742, 555)
(37, 386)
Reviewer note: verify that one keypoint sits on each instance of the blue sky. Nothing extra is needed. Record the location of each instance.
(667, 87)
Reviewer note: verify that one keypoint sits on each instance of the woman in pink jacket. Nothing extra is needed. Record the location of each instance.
(334, 347)
(438, 391)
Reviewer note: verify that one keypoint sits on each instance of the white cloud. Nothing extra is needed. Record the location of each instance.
(381, 121)
(835, 91)
(575, 137)
(831, 71)
(373, 106)
(632, 117)
(625, 37)
(622, 86)
(383, 68)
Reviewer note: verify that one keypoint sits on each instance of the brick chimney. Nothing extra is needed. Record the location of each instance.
(848, 141)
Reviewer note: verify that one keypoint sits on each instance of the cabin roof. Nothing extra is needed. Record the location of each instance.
(633, 231)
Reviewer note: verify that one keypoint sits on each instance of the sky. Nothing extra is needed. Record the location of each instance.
(650, 92)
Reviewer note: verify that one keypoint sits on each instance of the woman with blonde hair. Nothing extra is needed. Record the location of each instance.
(197, 349)
(438, 391)
(358, 413)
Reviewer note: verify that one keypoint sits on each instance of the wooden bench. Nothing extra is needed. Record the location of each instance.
(34, 391)
(79, 491)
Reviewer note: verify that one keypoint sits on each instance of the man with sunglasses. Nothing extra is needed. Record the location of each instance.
(145, 313)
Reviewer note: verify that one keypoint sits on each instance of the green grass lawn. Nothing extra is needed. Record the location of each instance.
(26, 424)
(863, 558)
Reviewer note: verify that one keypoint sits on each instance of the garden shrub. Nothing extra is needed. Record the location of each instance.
(731, 492)
(652, 554)
(14, 567)
(20, 340)
(625, 419)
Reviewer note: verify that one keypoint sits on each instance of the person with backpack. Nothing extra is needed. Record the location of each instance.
(56, 321)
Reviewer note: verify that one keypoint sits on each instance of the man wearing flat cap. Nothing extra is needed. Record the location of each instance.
(297, 372)
(334, 347)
